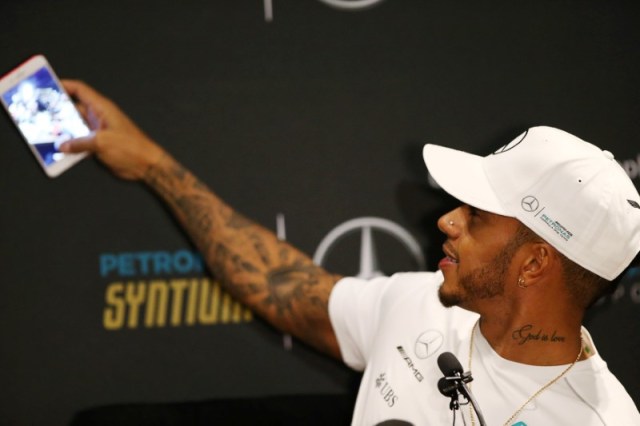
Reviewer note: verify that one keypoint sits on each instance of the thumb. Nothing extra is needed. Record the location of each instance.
(82, 144)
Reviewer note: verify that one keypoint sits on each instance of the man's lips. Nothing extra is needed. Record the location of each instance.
(450, 256)
(447, 261)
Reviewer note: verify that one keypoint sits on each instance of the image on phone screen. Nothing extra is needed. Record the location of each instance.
(44, 113)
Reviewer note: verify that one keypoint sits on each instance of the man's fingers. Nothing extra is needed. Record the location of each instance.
(81, 91)
(83, 144)
(77, 88)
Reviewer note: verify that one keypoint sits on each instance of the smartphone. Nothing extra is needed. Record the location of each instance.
(43, 112)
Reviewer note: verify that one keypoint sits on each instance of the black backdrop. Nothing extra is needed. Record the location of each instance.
(318, 113)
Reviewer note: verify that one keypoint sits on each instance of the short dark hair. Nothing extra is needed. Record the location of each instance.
(585, 286)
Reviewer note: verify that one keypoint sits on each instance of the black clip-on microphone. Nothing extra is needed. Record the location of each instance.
(455, 382)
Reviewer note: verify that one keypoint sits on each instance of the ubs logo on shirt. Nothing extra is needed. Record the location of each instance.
(387, 393)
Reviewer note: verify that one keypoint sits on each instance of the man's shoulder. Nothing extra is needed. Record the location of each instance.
(404, 291)
(604, 393)
(401, 285)
(419, 278)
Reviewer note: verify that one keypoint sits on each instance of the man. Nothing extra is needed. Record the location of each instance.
(545, 223)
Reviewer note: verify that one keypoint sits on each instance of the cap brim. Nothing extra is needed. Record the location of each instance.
(461, 175)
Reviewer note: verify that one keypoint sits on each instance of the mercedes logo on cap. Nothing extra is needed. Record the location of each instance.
(530, 203)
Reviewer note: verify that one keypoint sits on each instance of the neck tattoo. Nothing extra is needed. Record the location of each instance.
(532, 397)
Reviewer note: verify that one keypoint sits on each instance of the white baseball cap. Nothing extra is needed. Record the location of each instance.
(569, 192)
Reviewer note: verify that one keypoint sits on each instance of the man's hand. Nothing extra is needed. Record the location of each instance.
(116, 140)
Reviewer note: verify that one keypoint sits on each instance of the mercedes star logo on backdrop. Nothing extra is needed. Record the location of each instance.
(368, 257)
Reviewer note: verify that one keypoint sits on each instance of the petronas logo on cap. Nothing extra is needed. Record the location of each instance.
(634, 204)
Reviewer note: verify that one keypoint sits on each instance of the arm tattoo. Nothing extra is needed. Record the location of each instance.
(188, 197)
(253, 265)
(288, 284)
(237, 221)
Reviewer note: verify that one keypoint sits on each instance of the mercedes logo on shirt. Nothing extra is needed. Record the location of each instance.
(428, 343)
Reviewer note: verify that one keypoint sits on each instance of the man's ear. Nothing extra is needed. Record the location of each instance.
(538, 261)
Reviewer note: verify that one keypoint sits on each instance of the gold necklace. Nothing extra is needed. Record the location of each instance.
(532, 397)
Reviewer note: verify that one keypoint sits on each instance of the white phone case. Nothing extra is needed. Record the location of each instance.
(43, 112)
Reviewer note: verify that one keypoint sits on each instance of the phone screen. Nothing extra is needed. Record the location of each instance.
(44, 113)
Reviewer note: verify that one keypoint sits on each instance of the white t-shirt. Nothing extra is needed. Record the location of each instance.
(395, 328)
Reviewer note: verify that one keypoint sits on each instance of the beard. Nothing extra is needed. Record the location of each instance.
(481, 283)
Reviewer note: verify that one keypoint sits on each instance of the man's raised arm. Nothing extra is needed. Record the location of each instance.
(271, 277)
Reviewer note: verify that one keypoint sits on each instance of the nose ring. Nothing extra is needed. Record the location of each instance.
(450, 223)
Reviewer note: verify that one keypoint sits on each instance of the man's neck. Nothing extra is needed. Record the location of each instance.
(534, 341)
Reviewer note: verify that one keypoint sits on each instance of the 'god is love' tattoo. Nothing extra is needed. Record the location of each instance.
(527, 334)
